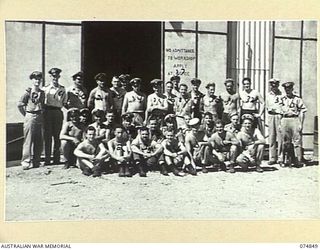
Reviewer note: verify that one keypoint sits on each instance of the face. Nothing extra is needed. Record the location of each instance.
(153, 124)
(91, 134)
(208, 119)
(274, 87)
(234, 119)
(115, 82)
(110, 117)
(169, 135)
(187, 118)
(78, 80)
(246, 85)
(126, 123)
(219, 128)
(54, 78)
(211, 90)
(156, 88)
(170, 125)
(101, 84)
(169, 87)
(75, 118)
(175, 83)
(83, 118)
(37, 82)
(195, 87)
(98, 119)
(183, 90)
(118, 132)
(247, 124)
(288, 90)
(229, 86)
(136, 86)
(144, 135)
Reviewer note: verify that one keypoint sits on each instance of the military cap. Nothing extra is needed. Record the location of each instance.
(233, 114)
(98, 112)
(288, 84)
(175, 78)
(135, 80)
(35, 75)
(247, 116)
(229, 80)
(210, 84)
(127, 116)
(79, 74)
(101, 77)
(54, 71)
(73, 112)
(124, 77)
(194, 121)
(169, 118)
(274, 80)
(195, 81)
(155, 82)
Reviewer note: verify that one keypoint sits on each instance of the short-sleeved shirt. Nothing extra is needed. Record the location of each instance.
(55, 96)
(274, 102)
(217, 141)
(76, 97)
(89, 148)
(292, 105)
(245, 139)
(100, 99)
(117, 96)
(145, 147)
(32, 100)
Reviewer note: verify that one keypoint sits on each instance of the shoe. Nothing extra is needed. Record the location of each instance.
(142, 174)
(47, 162)
(121, 172)
(204, 170)
(96, 173)
(272, 162)
(127, 172)
(86, 171)
(66, 165)
(281, 164)
(26, 167)
(298, 164)
(191, 170)
(164, 170)
(230, 168)
(259, 169)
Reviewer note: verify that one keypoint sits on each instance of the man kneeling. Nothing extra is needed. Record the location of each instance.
(91, 154)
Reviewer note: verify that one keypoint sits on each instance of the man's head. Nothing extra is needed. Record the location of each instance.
(127, 119)
(78, 78)
(90, 133)
(195, 82)
(98, 116)
(229, 84)
(54, 74)
(169, 87)
(175, 80)
(169, 135)
(110, 116)
(274, 84)
(115, 81)
(153, 123)
(194, 124)
(101, 80)
(170, 121)
(211, 87)
(156, 85)
(247, 121)
(187, 118)
(144, 133)
(246, 82)
(136, 84)
(208, 118)
(219, 126)
(84, 115)
(118, 132)
(74, 115)
(288, 87)
(234, 118)
(36, 77)
(183, 89)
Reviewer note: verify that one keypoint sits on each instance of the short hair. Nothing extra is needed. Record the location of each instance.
(108, 111)
(169, 82)
(183, 85)
(208, 113)
(219, 122)
(90, 128)
(229, 80)
(143, 129)
(118, 126)
(211, 84)
(115, 77)
(175, 78)
(246, 79)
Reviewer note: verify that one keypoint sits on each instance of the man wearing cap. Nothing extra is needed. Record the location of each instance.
(274, 108)
(251, 144)
(118, 95)
(196, 98)
(130, 131)
(234, 126)
(249, 100)
(30, 106)
(176, 81)
(135, 102)
(100, 97)
(212, 103)
(77, 94)
(125, 82)
(169, 96)
(195, 146)
(293, 113)
(156, 101)
(230, 99)
(55, 99)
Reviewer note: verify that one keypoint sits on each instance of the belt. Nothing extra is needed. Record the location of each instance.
(290, 116)
(51, 108)
(273, 113)
(35, 112)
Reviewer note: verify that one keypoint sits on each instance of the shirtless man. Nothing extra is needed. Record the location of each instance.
(231, 101)
(135, 102)
(117, 95)
(212, 103)
(156, 101)
(249, 100)
(170, 96)
(195, 146)
(251, 144)
(196, 98)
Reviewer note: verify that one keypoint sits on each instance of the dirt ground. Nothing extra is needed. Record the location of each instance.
(52, 193)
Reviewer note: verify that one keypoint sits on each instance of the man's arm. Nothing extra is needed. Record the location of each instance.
(262, 104)
(91, 100)
(64, 134)
(79, 153)
(125, 103)
(112, 152)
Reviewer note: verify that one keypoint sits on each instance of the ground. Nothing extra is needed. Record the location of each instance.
(53, 193)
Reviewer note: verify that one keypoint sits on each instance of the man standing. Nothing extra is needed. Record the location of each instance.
(196, 99)
(117, 95)
(231, 101)
(55, 99)
(170, 96)
(31, 107)
(135, 102)
(249, 100)
(274, 108)
(212, 103)
(293, 110)
(180, 105)
(77, 94)
(176, 81)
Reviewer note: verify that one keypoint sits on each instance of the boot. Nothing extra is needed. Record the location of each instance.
(142, 173)
(259, 169)
(86, 170)
(126, 171)
(204, 169)
(164, 170)
(191, 170)
(230, 169)
(121, 171)
(96, 171)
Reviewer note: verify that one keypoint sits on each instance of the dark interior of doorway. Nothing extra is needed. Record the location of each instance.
(121, 47)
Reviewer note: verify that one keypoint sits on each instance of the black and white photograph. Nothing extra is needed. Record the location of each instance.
(161, 120)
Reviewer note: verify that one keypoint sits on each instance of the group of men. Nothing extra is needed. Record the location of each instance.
(117, 126)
